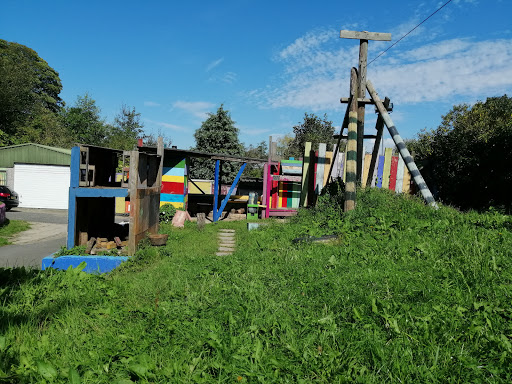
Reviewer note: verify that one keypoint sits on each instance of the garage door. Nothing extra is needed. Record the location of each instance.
(42, 186)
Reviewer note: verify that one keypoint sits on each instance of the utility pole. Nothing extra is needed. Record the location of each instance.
(363, 38)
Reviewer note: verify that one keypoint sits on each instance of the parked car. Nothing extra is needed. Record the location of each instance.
(10, 198)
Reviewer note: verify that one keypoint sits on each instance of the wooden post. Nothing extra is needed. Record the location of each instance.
(404, 152)
(363, 54)
(201, 219)
(351, 159)
(363, 38)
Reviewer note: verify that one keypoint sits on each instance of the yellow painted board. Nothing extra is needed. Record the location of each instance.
(387, 167)
(174, 179)
(120, 205)
(328, 162)
(175, 205)
(206, 187)
(407, 181)
(280, 195)
(366, 169)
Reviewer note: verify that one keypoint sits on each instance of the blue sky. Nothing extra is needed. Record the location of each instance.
(268, 62)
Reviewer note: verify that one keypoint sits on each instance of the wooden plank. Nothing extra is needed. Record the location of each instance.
(319, 180)
(400, 175)
(328, 162)
(388, 152)
(379, 126)
(380, 171)
(360, 100)
(367, 161)
(392, 175)
(305, 175)
(365, 35)
(287, 178)
(407, 181)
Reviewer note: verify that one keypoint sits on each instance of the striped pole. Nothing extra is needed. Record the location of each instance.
(351, 159)
(404, 152)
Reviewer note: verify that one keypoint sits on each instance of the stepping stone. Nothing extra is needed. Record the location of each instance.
(227, 243)
(226, 249)
(227, 230)
(223, 253)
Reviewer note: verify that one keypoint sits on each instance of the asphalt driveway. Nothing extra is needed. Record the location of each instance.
(47, 234)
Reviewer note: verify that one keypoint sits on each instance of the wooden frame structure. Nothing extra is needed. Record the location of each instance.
(354, 121)
(93, 189)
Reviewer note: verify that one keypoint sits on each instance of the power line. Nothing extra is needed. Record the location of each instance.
(408, 33)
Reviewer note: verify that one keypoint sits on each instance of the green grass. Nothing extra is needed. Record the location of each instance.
(408, 294)
(10, 228)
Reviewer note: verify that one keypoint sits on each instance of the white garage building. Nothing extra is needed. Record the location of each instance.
(39, 174)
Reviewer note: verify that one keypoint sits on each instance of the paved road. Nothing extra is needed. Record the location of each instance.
(47, 234)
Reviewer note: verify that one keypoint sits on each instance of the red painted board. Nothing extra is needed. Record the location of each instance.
(173, 187)
(284, 200)
(392, 175)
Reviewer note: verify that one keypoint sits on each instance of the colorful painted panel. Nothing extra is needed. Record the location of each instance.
(174, 181)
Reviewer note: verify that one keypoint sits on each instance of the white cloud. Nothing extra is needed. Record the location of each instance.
(172, 127)
(316, 73)
(151, 104)
(199, 109)
(214, 64)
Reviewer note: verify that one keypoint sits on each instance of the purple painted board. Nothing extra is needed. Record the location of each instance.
(380, 172)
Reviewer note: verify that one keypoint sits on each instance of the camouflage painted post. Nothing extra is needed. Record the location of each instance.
(351, 159)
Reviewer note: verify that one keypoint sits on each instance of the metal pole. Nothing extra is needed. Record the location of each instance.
(404, 152)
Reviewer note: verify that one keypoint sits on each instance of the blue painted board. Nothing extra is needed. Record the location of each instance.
(171, 198)
(94, 264)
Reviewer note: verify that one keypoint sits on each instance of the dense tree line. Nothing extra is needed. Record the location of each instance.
(32, 111)
(466, 160)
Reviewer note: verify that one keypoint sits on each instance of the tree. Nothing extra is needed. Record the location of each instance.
(84, 124)
(28, 87)
(313, 129)
(259, 151)
(125, 130)
(466, 160)
(217, 134)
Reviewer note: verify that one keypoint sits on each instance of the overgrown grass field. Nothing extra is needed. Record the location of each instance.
(406, 294)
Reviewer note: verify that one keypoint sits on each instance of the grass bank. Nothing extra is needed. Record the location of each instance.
(406, 294)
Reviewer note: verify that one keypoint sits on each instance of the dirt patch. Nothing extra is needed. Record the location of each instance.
(40, 232)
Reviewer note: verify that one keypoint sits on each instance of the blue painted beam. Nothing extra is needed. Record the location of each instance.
(235, 182)
(216, 190)
(101, 192)
(75, 167)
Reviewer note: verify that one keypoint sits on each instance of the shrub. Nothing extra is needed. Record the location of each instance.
(167, 212)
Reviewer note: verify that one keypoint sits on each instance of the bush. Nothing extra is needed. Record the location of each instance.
(167, 212)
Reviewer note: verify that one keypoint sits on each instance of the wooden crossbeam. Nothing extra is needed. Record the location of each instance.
(344, 137)
(365, 35)
(346, 100)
